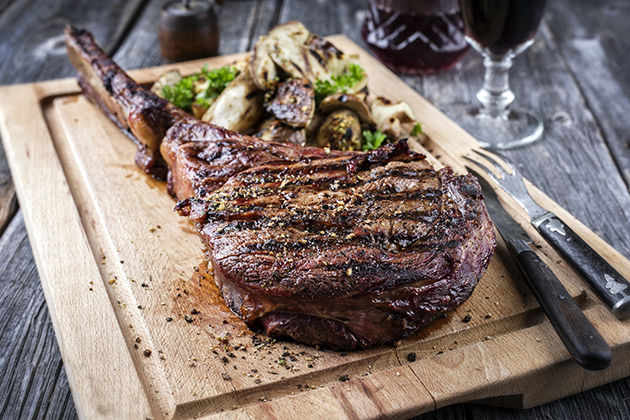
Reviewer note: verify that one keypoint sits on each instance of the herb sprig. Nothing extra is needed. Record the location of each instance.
(373, 140)
(182, 94)
(218, 80)
(341, 83)
(416, 130)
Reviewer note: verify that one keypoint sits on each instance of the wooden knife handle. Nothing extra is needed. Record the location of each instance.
(611, 287)
(579, 336)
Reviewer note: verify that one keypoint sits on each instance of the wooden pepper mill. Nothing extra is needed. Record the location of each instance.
(188, 30)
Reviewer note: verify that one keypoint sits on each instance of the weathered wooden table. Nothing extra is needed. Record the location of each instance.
(575, 76)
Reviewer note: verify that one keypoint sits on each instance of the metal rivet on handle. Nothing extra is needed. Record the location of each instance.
(613, 285)
(556, 225)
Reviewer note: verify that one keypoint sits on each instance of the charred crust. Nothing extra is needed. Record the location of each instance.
(367, 240)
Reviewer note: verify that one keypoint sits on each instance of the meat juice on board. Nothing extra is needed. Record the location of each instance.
(501, 26)
(415, 37)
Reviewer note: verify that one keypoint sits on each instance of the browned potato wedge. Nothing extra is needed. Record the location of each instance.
(293, 103)
(198, 110)
(239, 106)
(170, 78)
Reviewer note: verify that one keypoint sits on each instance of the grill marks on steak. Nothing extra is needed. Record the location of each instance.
(372, 246)
(202, 157)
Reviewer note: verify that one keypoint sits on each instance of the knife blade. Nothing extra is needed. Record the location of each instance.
(607, 283)
(579, 336)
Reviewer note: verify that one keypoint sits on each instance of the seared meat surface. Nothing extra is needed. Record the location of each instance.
(347, 249)
(202, 157)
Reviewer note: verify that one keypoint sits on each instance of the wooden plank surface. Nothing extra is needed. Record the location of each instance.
(72, 299)
(8, 200)
(34, 383)
(129, 226)
(31, 55)
(597, 33)
(568, 25)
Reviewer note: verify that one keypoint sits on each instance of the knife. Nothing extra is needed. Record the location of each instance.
(609, 285)
(582, 340)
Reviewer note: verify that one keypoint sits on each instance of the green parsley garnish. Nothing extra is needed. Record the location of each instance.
(341, 83)
(217, 79)
(417, 130)
(373, 140)
(182, 95)
(323, 89)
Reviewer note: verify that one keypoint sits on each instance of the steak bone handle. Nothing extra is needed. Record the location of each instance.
(611, 287)
(579, 336)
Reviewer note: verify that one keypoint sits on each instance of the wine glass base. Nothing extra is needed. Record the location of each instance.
(517, 127)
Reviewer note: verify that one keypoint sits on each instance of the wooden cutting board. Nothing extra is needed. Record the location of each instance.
(144, 334)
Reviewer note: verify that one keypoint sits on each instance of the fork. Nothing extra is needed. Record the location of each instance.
(609, 285)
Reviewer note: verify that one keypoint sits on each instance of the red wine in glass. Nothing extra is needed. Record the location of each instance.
(500, 27)
(499, 30)
(415, 37)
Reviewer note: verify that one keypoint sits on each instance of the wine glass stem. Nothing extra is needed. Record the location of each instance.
(495, 96)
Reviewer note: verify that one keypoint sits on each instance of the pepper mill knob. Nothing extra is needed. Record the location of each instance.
(188, 30)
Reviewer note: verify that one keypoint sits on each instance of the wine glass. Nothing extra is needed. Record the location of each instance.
(499, 30)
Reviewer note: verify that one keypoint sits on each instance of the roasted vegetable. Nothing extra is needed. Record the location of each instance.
(347, 101)
(292, 48)
(313, 128)
(340, 131)
(349, 81)
(312, 93)
(280, 40)
(293, 103)
(389, 116)
(181, 93)
(170, 78)
(214, 83)
(195, 92)
(238, 107)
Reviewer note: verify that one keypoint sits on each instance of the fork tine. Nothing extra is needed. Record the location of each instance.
(485, 169)
(504, 158)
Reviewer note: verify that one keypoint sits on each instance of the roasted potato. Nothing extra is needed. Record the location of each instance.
(239, 106)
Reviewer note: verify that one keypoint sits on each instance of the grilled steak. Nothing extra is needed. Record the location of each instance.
(202, 157)
(347, 249)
